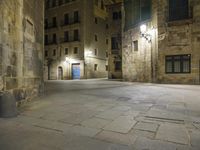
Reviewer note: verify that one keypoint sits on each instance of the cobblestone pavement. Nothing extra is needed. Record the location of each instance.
(107, 115)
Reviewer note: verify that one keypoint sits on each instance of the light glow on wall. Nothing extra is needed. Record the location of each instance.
(143, 28)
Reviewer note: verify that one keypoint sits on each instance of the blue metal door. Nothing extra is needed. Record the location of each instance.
(76, 72)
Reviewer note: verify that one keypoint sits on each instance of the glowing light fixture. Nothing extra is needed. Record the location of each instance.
(67, 59)
(145, 33)
(143, 28)
(88, 53)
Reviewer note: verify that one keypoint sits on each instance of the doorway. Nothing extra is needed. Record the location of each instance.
(60, 73)
(76, 72)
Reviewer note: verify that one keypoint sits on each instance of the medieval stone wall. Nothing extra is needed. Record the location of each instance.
(139, 58)
(181, 37)
(21, 47)
(177, 38)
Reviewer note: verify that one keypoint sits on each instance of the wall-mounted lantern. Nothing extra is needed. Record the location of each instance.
(144, 33)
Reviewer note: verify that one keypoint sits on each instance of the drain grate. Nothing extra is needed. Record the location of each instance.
(123, 99)
(179, 121)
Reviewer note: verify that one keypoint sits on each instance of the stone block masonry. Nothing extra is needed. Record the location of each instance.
(172, 55)
(21, 48)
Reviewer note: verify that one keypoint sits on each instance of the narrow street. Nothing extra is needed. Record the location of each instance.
(107, 115)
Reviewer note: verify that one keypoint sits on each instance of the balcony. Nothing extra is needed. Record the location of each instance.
(65, 40)
(51, 26)
(51, 42)
(68, 23)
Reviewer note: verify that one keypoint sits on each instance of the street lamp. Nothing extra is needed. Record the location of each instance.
(88, 53)
(144, 33)
(143, 28)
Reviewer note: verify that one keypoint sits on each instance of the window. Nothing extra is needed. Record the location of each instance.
(95, 52)
(95, 37)
(48, 5)
(106, 67)
(54, 21)
(54, 38)
(53, 3)
(60, 2)
(114, 43)
(178, 10)
(66, 36)
(106, 54)
(118, 66)
(76, 16)
(96, 20)
(66, 51)
(107, 41)
(135, 45)
(54, 52)
(66, 19)
(46, 53)
(76, 35)
(136, 11)
(75, 50)
(67, 1)
(102, 4)
(96, 2)
(46, 39)
(145, 7)
(95, 67)
(120, 14)
(46, 23)
(117, 15)
(107, 26)
(178, 64)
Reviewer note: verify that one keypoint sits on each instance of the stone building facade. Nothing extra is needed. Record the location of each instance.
(115, 40)
(75, 35)
(21, 48)
(164, 46)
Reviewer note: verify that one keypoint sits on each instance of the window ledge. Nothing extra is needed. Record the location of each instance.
(180, 22)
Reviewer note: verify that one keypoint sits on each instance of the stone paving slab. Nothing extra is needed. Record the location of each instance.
(166, 115)
(74, 108)
(59, 115)
(121, 108)
(148, 144)
(104, 107)
(131, 113)
(78, 118)
(95, 123)
(109, 114)
(122, 124)
(146, 126)
(84, 143)
(174, 133)
(141, 133)
(125, 139)
(83, 131)
(195, 138)
(53, 125)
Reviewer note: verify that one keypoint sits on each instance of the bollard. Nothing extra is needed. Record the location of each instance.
(8, 107)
